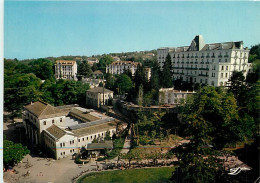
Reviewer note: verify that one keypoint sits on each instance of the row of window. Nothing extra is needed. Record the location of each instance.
(53, 121)
(196, 55)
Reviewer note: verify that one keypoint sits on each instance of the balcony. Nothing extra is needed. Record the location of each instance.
(196, 62)
(225, 56)
(212, 56)
(182, 62)
(187, 62)
(220, 56)
(207, 56)
(202, 57)
(204, 75)
(206, 62)
(201, 62)
(196, 56)
(178, 62)
(191, 62)
(192, 57)
(188, 56)
(206, 69)
(191, 68)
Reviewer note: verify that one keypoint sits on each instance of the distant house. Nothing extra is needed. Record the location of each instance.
(98, 96)
(119, 67)
(92, 82)
(97, 74)
(66, 69)
(171, 96)
(92, 60)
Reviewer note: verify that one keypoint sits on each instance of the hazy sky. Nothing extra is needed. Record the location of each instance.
(52, 28)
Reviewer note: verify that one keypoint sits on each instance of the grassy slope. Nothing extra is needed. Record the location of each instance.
(151, 175)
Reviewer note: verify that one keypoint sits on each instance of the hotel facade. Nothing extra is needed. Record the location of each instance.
(210, 64)
(66, 69)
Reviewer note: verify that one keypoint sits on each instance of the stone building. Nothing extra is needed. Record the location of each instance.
(64, 130)
(171, 96)
(98, 96)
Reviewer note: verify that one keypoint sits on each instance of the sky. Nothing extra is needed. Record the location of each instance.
(37, 29)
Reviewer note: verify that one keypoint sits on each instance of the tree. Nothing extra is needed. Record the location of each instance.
(155, 79)
(124, 83)
(42, 68)
(108, 136)
(238, 87)
(23, 90)
(13, 153)
(103, 62)
(166, 78)
(84, 69)
(94, 67)
(212, 117)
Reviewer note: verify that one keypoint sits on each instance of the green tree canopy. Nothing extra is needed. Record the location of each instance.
(212, 117)
(103, 62)
(84, 69)
(124, 83)
(42, 68)
(13, 153)
(166, 76)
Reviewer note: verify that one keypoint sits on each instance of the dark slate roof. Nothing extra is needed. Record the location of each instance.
(99, 90)
(44, 110)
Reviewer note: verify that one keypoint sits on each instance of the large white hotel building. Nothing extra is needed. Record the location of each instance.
(210, 64)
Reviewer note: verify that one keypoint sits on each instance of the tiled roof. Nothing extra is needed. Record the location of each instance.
(104, 145)
(94, 129)
(56, 131)
(44, 110)
(99, 90)
(83, 116)
(97, 72)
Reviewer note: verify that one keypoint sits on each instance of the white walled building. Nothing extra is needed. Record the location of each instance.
(119, 67)
(171, 96)
(65, 130)
(210, 64)
(66, 69)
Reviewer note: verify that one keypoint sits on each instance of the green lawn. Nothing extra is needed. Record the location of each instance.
(146, 175)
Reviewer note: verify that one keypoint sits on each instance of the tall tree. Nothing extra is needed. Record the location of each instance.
(124, 83)
(166, 78)
(42, 68)
(238, 87)
(84, 69)
(103, 62)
